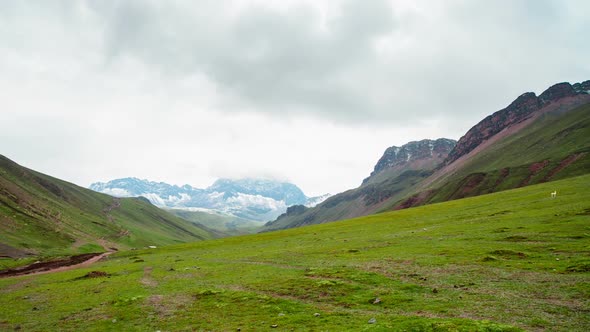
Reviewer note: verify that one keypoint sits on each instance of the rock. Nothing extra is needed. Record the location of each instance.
(557, 91)
(372, 321)
(274, 326)
(413, 152)
(317, 314)
(281, 314)
(377, 301)
(152, 247)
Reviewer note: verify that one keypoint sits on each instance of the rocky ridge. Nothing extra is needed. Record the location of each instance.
(413, 152)
(519, 110)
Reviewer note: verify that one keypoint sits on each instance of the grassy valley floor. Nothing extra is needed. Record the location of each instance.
(508, 261)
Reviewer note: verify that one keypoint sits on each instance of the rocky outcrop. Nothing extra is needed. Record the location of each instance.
(292, 211)
(414, 155)
(519, 110)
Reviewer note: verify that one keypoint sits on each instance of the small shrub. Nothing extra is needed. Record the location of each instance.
(582, 267)
(516, 238)
(507, 253)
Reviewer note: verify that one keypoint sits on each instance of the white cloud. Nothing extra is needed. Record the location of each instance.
(309, 91)
(117, 192)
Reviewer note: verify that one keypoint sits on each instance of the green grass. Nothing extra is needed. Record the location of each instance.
(501, 262)
(45, 217)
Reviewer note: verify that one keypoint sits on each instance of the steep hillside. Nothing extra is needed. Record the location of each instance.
(535, 139)
(394, 176)
(552, 142)
(241, 199)
(42, 215)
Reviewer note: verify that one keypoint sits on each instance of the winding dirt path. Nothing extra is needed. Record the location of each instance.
(73, 262)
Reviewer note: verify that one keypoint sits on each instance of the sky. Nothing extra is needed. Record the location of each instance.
(310, 92)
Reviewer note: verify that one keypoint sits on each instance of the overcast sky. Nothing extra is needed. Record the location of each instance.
(311, 92)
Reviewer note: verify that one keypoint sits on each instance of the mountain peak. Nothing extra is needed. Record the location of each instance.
(519, 110)
(415, 152)
(249, 198)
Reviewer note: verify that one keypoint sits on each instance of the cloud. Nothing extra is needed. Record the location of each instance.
(356, 60)
(310, 91)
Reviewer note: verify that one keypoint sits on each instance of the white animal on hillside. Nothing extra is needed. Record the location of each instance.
(554, 194)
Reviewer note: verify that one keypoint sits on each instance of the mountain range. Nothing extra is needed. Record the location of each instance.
(249, 199)
(534, 139)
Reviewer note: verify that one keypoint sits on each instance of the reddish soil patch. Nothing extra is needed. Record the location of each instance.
(415, 200)
(55, 265)
(473, 181)
(504, 172)
(534, 169)
(563, 164)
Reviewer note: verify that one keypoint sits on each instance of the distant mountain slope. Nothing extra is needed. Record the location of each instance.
(395, 174)
(248, 199)
(226, 224)
(535, 139)
(553, 144)
(42, 215)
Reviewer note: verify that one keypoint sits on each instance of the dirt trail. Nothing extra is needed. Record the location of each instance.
(65, 264)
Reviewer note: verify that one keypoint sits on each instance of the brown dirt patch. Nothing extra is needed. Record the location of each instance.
(563, 164)
(147, 279)
(534, 169)
(55, 265)
(504, 172)
(95, 274)
(416, 200)
(11, 252)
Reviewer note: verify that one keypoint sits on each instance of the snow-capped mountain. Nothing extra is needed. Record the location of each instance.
(313, 201)
(252, 199)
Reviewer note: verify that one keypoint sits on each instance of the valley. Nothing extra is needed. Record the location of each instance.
(487, 233)
(347, 165)
(509, 261)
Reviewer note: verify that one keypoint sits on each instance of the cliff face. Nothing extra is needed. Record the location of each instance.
(424, 154)
(519, 110)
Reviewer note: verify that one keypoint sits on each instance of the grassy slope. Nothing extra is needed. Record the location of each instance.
(551, 139)
(515, 258)
(226, 224)
(46, 216)
(359, 201)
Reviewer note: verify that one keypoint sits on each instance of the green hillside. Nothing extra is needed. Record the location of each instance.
(44, 216)
(555, 146)
(513, 260)
(364, 200)
(224, 224)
